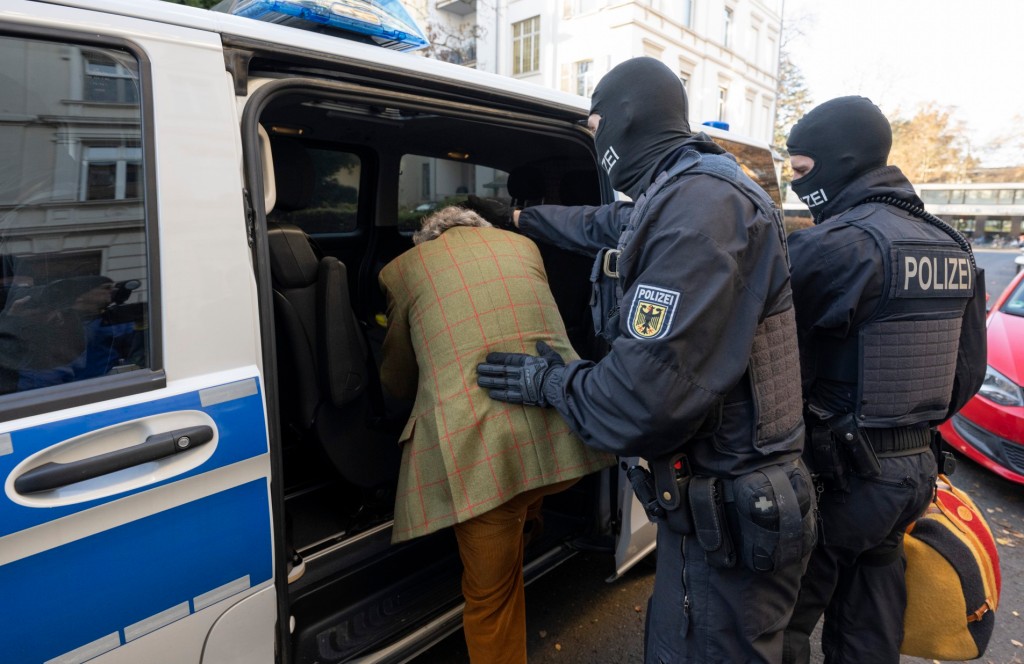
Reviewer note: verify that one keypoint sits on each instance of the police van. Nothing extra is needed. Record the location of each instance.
(198, 462)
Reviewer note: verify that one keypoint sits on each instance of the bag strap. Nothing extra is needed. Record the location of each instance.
(790, 520)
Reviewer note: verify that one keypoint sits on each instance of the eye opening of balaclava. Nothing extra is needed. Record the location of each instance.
(643, 110)
(846, 137)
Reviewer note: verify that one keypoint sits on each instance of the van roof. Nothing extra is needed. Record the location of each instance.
(294, 39)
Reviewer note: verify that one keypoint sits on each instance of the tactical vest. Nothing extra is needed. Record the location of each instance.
(773, 376)
(903, 357)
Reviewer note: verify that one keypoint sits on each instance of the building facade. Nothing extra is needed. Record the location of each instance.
(725, 51)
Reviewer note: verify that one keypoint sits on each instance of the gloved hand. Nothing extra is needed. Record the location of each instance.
(491, 209)
(519, 378)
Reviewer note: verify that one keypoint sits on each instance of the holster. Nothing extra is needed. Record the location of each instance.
(826, 459)
(707, 504)
(671, 479)
(862, 457)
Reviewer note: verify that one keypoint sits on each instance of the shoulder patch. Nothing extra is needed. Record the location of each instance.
(650, 314)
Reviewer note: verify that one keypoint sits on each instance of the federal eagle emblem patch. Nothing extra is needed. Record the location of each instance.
(650, 315)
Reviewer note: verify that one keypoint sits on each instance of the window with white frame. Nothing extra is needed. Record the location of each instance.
(111, 172)
(526, 46)
(108, 80)
(686, 7)
(577, 7)
(723, 98)
(584, 77)
(727, 21)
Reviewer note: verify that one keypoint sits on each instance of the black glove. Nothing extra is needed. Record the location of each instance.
(519, 378)
(491, 209)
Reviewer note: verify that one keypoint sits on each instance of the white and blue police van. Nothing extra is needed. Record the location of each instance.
(198, 463)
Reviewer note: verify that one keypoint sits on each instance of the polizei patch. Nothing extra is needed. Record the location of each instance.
(932, 273)
(650, 315)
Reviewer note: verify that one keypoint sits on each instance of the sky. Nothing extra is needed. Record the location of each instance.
(963, 54)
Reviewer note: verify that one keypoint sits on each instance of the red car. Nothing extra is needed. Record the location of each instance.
(990, 428)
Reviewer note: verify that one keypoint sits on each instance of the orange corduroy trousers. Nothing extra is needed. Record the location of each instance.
(491, 547)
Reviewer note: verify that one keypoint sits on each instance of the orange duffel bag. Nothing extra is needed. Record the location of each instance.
(953, 579)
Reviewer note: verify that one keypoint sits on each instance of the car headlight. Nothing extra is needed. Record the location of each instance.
(1001, 389)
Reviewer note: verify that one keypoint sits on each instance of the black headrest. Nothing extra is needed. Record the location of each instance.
(579, 188)
(293, 174)
(293, 263)
(526, 183)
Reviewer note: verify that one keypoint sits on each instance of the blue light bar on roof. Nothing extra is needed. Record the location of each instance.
(386, 22)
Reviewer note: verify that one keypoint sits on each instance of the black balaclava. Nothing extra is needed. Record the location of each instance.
(643, 112)
(846, 137)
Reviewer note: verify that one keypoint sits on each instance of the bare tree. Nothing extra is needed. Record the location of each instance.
(931, 146)
(792, 99)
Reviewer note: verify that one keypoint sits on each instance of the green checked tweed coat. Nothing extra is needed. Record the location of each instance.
(452, 300)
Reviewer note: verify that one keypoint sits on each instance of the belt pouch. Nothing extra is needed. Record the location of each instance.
(769, 520)
(604, 299)
(707, 503)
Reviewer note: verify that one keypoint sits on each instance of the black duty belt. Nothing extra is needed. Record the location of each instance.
(905, 440)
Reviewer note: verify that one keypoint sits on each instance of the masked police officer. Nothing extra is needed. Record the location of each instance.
(692, 289)
(879, 293)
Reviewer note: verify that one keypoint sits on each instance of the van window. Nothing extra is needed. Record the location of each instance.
(74, 290)
(426, 184)
(757, 163)
(331, 206)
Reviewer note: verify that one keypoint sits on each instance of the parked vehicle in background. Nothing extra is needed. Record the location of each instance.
(990, 428)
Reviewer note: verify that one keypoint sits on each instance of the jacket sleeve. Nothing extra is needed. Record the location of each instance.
(581, 229)
(399, 372)
(649, 395)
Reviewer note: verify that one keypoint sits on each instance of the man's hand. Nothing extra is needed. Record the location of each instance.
(491, 209)
(517, 377)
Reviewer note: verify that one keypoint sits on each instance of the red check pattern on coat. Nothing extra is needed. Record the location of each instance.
(451, 301)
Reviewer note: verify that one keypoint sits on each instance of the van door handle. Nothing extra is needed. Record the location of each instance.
(53, 475)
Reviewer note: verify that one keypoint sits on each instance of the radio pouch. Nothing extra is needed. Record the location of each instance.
(771, 522)
(707, 503)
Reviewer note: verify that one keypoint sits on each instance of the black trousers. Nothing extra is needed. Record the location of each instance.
(856, 574)
(706, 615)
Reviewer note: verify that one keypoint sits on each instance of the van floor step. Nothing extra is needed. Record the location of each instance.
(369, 607)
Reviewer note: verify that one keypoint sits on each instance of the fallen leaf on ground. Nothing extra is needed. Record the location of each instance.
(1017, 643)
(637, 608)
(558, 646)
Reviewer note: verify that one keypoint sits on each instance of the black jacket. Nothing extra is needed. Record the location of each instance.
(846, 271)
(714, 267)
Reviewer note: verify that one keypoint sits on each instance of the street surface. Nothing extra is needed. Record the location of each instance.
(574, 617)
